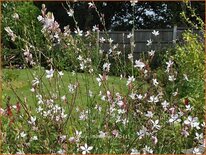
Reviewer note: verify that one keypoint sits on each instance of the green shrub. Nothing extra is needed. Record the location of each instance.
(189, 58)
(27, 13)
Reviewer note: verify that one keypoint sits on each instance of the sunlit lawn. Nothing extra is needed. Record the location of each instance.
(20, 81)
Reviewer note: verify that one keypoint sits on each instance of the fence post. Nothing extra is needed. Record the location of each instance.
(174, 34)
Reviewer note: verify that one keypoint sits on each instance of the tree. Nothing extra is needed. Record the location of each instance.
(119, 15)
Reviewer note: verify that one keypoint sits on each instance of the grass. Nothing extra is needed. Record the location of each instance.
(20, 81)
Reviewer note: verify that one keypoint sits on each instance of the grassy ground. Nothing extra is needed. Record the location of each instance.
(20, 81)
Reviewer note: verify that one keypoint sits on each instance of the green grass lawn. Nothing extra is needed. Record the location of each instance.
(21, 82)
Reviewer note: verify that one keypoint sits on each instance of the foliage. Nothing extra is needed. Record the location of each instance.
(120, 18)
(190, 61)
(15, 15)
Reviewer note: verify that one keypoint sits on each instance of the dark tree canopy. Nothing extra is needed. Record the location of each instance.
(119, 15)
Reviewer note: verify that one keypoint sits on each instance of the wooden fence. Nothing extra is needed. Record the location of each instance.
(166, 37)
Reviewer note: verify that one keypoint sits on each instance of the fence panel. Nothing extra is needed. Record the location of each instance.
(166, 38)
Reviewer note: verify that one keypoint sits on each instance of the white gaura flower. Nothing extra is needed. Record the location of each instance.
(149, 42)
(61, 151)
(174, 118)
(34, 138)
(131, 22)
(82, 66)
(78, 135)
(49, 73)
(129, 35)
(10, 33)
(32, 120)
(185, 77)
(98, 107)
(62, 138)
(2, 111)
(60, 73)
(132, 95)
(115, 46)
(95, 28)
(91, 70)
(73, 73)
(70, 12)
(169, 64)
(139, 96)
(188, 107)
(156, 33)
(196, 150)
(175, 93)
(102, 40)
(142, 132)
(151, 53)
(20, 152)
(15, 16)
(103, 98)
(91, 5)
(104, 4)
(99, 80)
(130, 56)
(149, 114)
(165, 104)
(134, 151)
(40, 18)
(133, 2)
(147, 149)
(72, 88)
(171, 78)
(63, 98)
(110, 40)
(49, 20)
(155, 83)
(39, 109)
(133, 44)
(78, 32)
(90, 93)
(23, 134)
(102, 134)
(120, 103)
(193, 122)
(80, 58)
(199, 137)
(110, 51)
(8, 30)
(153, 99)
(32, 89)
(86, 149)
(125, 20)
(185, 133)
(35, 81)
(130, 80)
(83, 115)
(121, 76)
(87, 33)
(139, 64)
(155, 124)
(106, 67)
